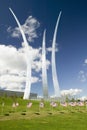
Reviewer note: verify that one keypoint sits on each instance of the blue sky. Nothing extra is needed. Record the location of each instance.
(71, 37)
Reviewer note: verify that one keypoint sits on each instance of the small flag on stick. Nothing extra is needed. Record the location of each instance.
(41, 104)
(53, 104)
(63, 104)
(17, 104)
(29, 105)
(14, 105)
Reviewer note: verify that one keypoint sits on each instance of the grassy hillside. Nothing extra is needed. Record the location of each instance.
(36, 118)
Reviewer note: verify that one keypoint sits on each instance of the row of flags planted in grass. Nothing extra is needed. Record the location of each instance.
(72, 104)
(52, 104)
(65, 104)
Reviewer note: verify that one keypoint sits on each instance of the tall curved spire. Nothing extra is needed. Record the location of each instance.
(28, 77)
(44, 70)
(54, 71)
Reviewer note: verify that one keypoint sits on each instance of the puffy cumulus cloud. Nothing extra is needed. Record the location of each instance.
(85, 61)
(14, 82)
(29, 27)
(71, 92)
(37, 66)
(83, 98)
(82, 76)
(7, 78)
(12, 86)
(49, 49)
(13, 66)
(11, 59)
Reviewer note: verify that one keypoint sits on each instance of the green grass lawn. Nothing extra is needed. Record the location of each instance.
(35, 118)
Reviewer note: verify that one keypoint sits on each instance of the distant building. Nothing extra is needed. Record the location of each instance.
(16, 93)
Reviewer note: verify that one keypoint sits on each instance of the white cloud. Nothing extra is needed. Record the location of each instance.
(11, 59)
(13, 67)
(29, 27)
(49, 49)
(82, 76)
(71, 92)
(16, 79)
(37, 65)
(83, 98)
(85, 62)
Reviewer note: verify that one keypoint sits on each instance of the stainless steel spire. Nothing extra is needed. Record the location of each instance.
(44, 70)
(28, 75)
(54, 71)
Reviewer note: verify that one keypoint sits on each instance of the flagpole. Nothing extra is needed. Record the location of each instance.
(3, 107)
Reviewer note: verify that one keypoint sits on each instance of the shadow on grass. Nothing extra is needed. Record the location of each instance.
(50, 113)
(23, 113)
(37, 113)
(6, 114)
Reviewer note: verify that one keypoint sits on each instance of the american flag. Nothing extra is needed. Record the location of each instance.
(63, 104)
(80, 104)
(29, 105)
(17, 104)
(53, 104)
(13, 105)
(41, 104)
(72, 104)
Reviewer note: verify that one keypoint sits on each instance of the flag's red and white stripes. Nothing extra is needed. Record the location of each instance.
(41, 104)
(64, 104)
(29, 105)
(53, 104)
